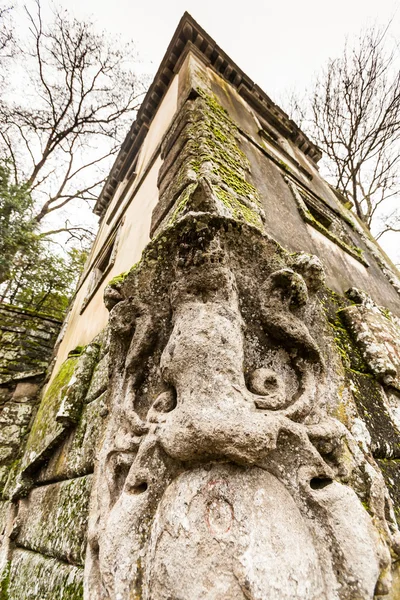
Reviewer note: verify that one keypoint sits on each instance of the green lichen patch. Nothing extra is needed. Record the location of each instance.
(75, 456)
(391, 474)
(76, 351)
(61, 405)
(238, 209)
(5, 581)
(350, 354)
(182, 202)
(45, 429)
(372, 408)
(56, 522)
(35, 577)
(211, 151)
(117, 281)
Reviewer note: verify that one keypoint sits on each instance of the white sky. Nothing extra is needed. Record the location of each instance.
(279, 44)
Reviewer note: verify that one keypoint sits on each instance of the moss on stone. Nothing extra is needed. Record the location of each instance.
(350, 354)
(45, 429)
(117, 281)
(76, 351)
(36, 577)
(182, 202)
(5, 581)
(239, 210)
(391, 473)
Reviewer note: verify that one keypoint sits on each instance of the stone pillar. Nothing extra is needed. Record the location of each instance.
(226, 470)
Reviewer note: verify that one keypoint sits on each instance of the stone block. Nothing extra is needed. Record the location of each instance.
(4, 470)
(6, 453)
(99, 381)
(375, 411)
(53, 519)
(15, 413)
(61, 405)
(10, 435)
(25, 391)
(377, 333)
(35, 577)
(103, 339)
(391, 474)
(46, 430)
(75, 456)
(4, 505)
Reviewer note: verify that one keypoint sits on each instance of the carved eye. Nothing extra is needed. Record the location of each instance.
(264, 382)
(267, 384)
(139, 488)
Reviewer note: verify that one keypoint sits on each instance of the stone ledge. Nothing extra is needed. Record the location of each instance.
(53, 520)
(33, 576)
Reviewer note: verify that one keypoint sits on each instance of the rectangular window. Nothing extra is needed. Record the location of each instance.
(318, 214)
(103, 265)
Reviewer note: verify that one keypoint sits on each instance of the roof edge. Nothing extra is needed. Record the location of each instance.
(189, 32)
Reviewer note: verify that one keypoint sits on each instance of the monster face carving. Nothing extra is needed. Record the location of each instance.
(221, 476)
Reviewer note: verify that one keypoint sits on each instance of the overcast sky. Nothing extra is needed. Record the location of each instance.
(279, 44)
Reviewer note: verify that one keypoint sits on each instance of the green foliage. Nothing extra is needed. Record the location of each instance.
(17, 228)
(43, 281)
(31, 274)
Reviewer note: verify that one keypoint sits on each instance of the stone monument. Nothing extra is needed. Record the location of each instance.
(231, 431)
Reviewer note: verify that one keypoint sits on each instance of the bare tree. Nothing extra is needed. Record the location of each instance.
(355, 119)
(6, 31)
(60, 128)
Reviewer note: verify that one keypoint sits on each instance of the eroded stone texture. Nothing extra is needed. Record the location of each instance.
(99, 380)
(214, 359)
(26, 342)
(15, 418)
(60, 407)
(237, 456)
(33, 576)
(377, 332)
(52, 520)
(75, 456)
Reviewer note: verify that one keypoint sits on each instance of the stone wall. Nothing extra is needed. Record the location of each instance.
(26, 345)
(26, 342)
(45, 504)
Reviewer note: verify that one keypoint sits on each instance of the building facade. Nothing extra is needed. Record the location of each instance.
(222, 420)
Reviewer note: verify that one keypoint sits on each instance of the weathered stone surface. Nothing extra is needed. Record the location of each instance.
(46, 430)
(61, 405)
(375, 412)
(7, 515)
(201, 151)
(244, 526)
(103, 340)
(35, 577)
(15, 413)
(53, 519)
(241, 418)
(25, 391)
(26, 341)
(214, 359)
(76, 455)
(71, 405)
(99, 380)
(391, 474)
(377, 332)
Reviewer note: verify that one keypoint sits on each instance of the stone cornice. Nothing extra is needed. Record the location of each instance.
(190, 36)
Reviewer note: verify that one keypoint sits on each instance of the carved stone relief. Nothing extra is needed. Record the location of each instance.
(222, 473)
(220, 464)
